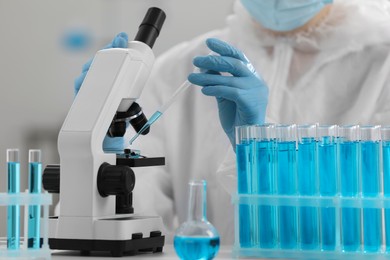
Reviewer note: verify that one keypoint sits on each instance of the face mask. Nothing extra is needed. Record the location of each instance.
(283, 15)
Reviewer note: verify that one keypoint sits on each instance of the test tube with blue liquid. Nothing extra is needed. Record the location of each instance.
(385, 136)
(328, 182)
(13, 212)
(348, 143)
(370, 174)
(287, 183)
(308, 185)
(244, 155)
(265, 163)
(34, 186)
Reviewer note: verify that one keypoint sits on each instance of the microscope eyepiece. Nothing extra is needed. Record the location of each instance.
(151, 26)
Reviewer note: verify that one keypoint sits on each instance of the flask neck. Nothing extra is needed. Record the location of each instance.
(197, 201)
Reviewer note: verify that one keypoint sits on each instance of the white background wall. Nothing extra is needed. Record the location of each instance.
(37, 72)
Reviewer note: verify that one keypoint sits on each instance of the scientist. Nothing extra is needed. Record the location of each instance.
(311, 60)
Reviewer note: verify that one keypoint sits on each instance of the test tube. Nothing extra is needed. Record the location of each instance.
(308, 184)
(34, 186)
(287, 183)
(265, 163)
(349, 171)
(385, 134)
(327, 171)
(369, 165)
(13, 213)
(244, 155)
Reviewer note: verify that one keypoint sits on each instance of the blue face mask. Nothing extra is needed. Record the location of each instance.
(283, 15)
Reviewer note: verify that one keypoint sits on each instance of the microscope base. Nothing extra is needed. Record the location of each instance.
(128, 239)
(117, 248)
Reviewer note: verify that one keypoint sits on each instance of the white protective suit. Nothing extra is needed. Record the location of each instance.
(335, 73)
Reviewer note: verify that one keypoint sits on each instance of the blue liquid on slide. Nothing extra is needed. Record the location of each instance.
(13, 213)
(350, 217)
(287, 178)
(244, 169)
(327, 167)
(196, 248)
(307, 186)
(386, 188)
(34, 212)
(265, 161)
(372, 218)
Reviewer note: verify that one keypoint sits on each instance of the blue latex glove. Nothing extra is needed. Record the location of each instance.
(120, 41)
(242, 96)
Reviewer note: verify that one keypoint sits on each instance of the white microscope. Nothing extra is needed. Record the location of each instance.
(96, 187)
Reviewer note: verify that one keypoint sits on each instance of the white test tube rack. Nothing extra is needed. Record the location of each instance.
(25, 200)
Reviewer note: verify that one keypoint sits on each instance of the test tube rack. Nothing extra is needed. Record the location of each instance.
(287, 208)
(317, 202)
(25, 200)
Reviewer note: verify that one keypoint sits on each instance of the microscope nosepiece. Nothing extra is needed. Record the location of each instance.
(139, 122)
(134, 116)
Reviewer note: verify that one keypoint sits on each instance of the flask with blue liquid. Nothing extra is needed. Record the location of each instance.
(197, 238)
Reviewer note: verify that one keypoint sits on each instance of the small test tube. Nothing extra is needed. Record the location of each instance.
(327, 171)
(34, 186)
(265, 167)
(308, 185)
(348, 143)
(287, 183)
(13, 213)
(370, 172)
(244, 155)
(385, 134)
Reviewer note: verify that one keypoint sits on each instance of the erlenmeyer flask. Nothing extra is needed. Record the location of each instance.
(197, 239)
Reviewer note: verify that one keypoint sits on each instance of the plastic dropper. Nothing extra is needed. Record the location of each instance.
(160, 111)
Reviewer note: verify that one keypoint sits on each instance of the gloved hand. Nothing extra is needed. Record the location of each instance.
(120, 41)
(242, 96)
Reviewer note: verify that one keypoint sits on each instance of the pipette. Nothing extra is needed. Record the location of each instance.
(164, 107)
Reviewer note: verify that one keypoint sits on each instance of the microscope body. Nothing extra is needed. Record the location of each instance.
(115, 74)
(88, 219)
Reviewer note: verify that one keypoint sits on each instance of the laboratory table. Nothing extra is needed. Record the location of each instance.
(225, 252)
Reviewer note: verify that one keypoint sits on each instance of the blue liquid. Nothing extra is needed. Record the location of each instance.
(386, 188)
(287, 175)
(265, 160)
(34, 212)
(350, 217)
(151, 120)
(327, 168)
(244, 170)
(307, 176)
(370, 188)
(196, 248)
(13, 213)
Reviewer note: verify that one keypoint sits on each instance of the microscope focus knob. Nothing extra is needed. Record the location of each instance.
(115, 180)
(51, 178)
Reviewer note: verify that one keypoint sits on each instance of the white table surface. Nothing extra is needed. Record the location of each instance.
(168, 253)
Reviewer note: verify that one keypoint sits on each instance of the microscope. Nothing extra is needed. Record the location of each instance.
(95, 187)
